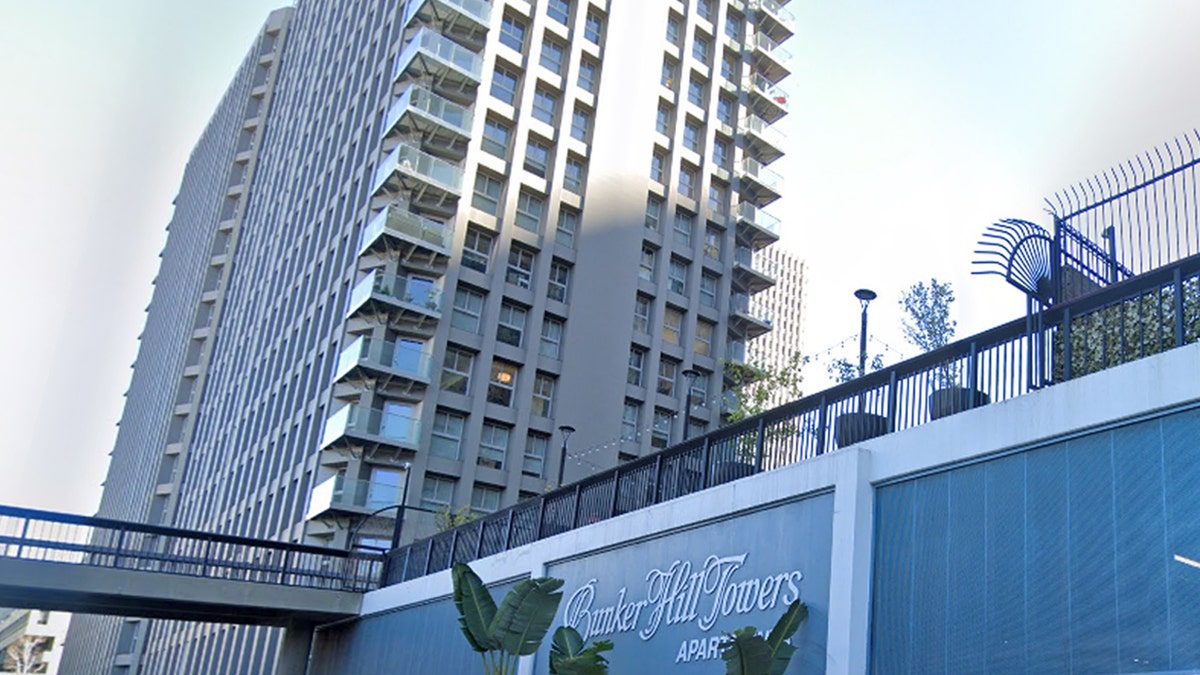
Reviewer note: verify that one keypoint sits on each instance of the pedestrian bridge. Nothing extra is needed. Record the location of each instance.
(71, 563)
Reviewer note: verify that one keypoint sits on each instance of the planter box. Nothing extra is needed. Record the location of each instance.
(855, 427)
(951, 400)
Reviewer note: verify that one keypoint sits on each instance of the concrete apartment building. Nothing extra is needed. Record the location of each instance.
(416, 239)
(777, 314)
(31, 641)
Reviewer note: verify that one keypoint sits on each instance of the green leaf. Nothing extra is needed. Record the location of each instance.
(525, 615)
(568, 656)
(745, 652)
(788, 624)
(476, 608)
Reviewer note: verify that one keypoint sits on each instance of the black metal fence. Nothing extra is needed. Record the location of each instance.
(30, 534)
(1123, 322)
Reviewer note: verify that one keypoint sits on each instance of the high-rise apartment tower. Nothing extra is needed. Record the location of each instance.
(418, 238)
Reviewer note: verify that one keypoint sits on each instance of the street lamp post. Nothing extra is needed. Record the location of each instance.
(865, 297)
(399, 529)
(566, 430)
(691, 374)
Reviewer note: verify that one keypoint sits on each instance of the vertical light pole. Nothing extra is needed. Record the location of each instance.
(865, 297)
(566, 430)
(399, 529)
(691, 374)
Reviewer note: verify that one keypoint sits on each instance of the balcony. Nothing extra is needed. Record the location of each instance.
(748, 316)
(426, 180)
(430, 56)
(767, 100)
(773, 19)
(759, 184)
(414, 302)
(756, 228)
(408, 237)
(764, 141)
(395, 427)
(337, 496)
(466, 21)
(443, 126)
(389, 362)
(770, 59)
(751, 273)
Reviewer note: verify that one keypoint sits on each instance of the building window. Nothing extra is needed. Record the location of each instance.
(485, 499)
(545, 105)
(510, 327)
(718, 198)
(695, 91)
(437, 492)
(653, 212)
(588, 70)
(684, 224)
(504, 84)
(677, 276)
(702, 345)
(456, 370)
(641, 314)
(573, 175)
(553, 56)
(530, 207)
(704, 9)
(487, 193)
(630, 420)
(660, 431)
(726, 109)
(674, 29)
(662, 123)
(520, 266)
(670, 73)
(720, 154)
(535, 455)
(733, 27)
(637, 366)
(691, 136)
(581, 124)
(668, 373)
(496, 135)
(552, 332)
(446, 440)
(477, 249)
(592, 28)
(537, 157)
(501, 383)
(700, 48)
(708, 290)
(560, 280)
(712, 243)
(468, 306)
(699, 393)
(568, 226)
(729, 67)
(512, 32)
(646, 269)
(559, 10)
(493, 445)
(658, 167)
(672, 326)
(687, 181)
(543, 395)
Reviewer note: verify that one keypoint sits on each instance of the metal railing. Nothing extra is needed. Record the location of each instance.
(30, 534)
(1120, 323)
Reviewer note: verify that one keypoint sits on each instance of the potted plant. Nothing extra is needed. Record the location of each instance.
(928, 326)
(855, 427)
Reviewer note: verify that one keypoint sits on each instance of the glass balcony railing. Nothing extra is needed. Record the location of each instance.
(746, 305)
(441, 48)
(755, 170)
(337, 493)
(410, 161)
(735, 352)
(749, 213)
(399, 221)
(415, 291)
(777, 12)
(398, 424)
(400, 356)
(445, 112)
(762, 43)
(746, 258)
(478, 10)
(753, 124)
(764, 88)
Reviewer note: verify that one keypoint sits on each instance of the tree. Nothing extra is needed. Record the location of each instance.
(843, 370)
(446, 518)
(515, 629)
(25, 655)
(928, 324)
(745, 652)
(757, 383)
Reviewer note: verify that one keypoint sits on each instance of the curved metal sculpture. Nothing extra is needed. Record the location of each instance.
(1019, 251)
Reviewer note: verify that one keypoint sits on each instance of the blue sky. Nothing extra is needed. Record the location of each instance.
(913, 126)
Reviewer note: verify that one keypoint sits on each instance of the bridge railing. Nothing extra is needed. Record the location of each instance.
(30, 534)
